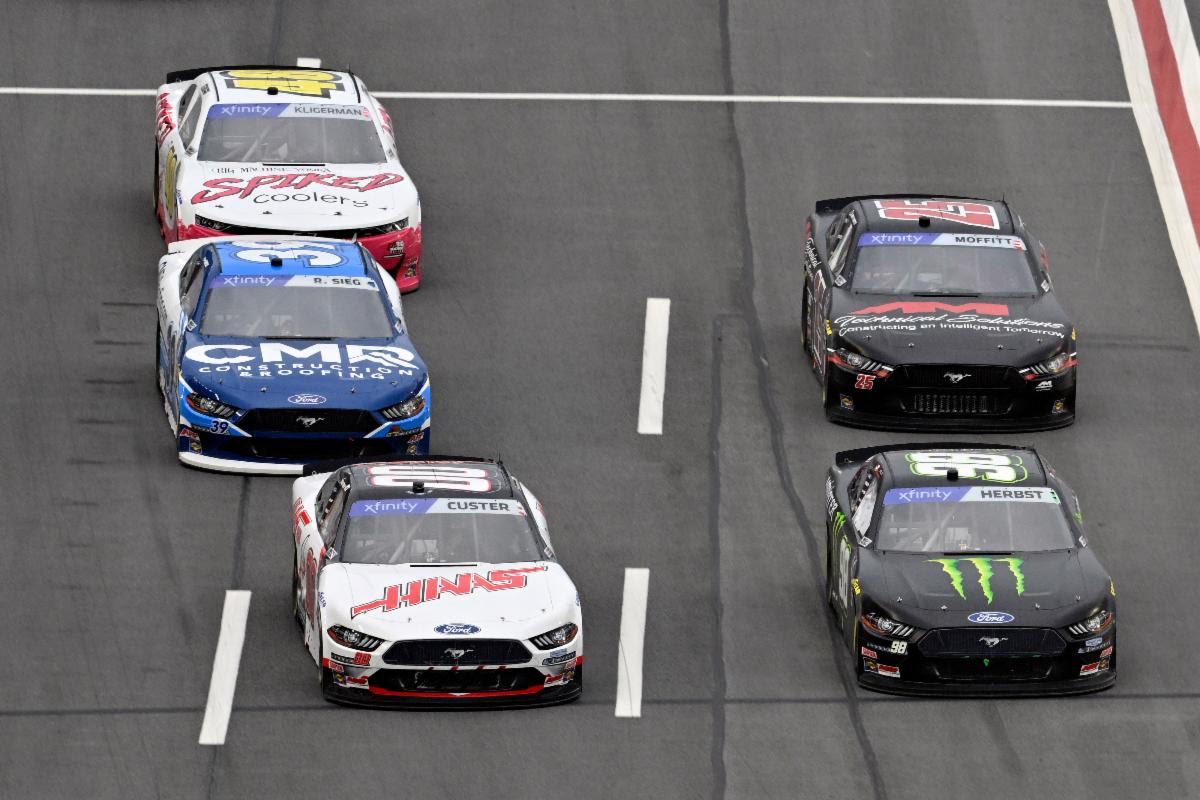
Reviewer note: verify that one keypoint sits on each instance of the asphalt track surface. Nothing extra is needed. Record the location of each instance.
(547, 225)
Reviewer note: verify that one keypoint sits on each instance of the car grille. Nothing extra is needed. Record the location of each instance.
(306, 420)
(974, 642)
(997, 669)
(311, 449)
(440, 652)
(969, 377)
(459, 680)
(963, 404)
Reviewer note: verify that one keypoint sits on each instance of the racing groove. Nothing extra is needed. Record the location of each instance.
(548, 226)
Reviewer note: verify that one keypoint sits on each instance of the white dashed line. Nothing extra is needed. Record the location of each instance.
(225, 667)
(579, 97)
(311, 63)
(654, 366)
(629, 648)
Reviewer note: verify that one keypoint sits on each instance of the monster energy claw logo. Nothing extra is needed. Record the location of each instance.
(984, 567)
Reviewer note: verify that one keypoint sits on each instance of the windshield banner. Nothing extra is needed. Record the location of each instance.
(968, 494)
(429, 505)
(940, 240)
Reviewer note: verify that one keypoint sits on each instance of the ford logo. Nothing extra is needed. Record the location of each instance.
(991, 617)
(457, 629)
(306, 400)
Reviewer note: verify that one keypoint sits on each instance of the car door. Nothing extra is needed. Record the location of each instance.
(864, 495)
(822, 275)
(314, 552)
(191, 284)
(169, 157)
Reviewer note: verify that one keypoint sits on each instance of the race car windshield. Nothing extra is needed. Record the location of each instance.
(296, 312)
(290, 133)
(942, 264)
(438, 531)
(976, 519)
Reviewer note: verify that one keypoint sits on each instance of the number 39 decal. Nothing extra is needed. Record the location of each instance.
(995, 467)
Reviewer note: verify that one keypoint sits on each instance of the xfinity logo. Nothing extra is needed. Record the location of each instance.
(956, 377)
(917, 495)
(992, 641)
(390, 506)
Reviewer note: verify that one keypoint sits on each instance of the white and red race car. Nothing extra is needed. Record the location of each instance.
(430, 582)
(283, 150)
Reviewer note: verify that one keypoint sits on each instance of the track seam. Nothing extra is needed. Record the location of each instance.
(758, 350)
(239, 538)
(717, 753)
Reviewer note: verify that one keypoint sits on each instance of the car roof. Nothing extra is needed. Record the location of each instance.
(289, 85)
(944, 215)
(277, 257)
(900, 466)
(441, 477)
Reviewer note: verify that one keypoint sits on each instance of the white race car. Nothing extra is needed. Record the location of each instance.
(432, 581)
(283, 150)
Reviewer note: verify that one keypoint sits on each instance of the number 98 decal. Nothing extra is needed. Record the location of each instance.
(306, 82)
(996, 467)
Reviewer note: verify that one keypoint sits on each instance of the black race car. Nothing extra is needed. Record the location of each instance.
(963, 569)
(937, 312)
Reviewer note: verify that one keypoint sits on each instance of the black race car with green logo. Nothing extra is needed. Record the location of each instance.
(934, 313)
(963, 569)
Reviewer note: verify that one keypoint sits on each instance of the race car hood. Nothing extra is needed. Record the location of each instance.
(397, 601)
(1020, 582)
(902, 329)
(309, 199)
(365, 374)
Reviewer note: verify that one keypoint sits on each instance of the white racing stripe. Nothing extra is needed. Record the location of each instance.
(654, 366)
(310, 63)
(629, 648)
(225, 667)
(589, 97)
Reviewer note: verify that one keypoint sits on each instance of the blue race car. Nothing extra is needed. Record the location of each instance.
(276, 352)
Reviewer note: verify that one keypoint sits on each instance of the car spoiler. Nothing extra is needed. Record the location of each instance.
(317, 467)
(833, 204)
(191, 74)
(846, 457)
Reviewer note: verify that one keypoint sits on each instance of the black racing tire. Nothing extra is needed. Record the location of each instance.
(829, 576)
(154, 196)
(296, 615)
(327, 683)
(805, 343)
(157, 366)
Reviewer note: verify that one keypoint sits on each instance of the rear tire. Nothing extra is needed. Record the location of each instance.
(296, 615)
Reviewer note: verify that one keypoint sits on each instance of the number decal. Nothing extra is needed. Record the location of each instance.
(978, 215)
(170, 179)
(219, 426)
(866, 382)
(844, 572)
(307, 82)
(995, 467)
(434, 476)
(318, 254)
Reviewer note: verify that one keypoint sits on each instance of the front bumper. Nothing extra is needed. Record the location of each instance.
(495, 688)
(897, 403)
(1007, 674)
(398, 252)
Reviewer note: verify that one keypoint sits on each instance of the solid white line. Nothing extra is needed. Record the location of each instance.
(225, 667)
(629, 648)
(1158, 149)
(753, 98)
(654, 366)
(311, 63)
(588, 97)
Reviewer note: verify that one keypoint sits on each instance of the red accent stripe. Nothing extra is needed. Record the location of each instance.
(1172, 109)
(509, 693)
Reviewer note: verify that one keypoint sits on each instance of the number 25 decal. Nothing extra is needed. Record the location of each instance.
(995, 467)
(866, 382)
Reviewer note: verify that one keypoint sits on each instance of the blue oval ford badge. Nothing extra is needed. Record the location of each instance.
(991, 617)
(306, 400)
(457, 629)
